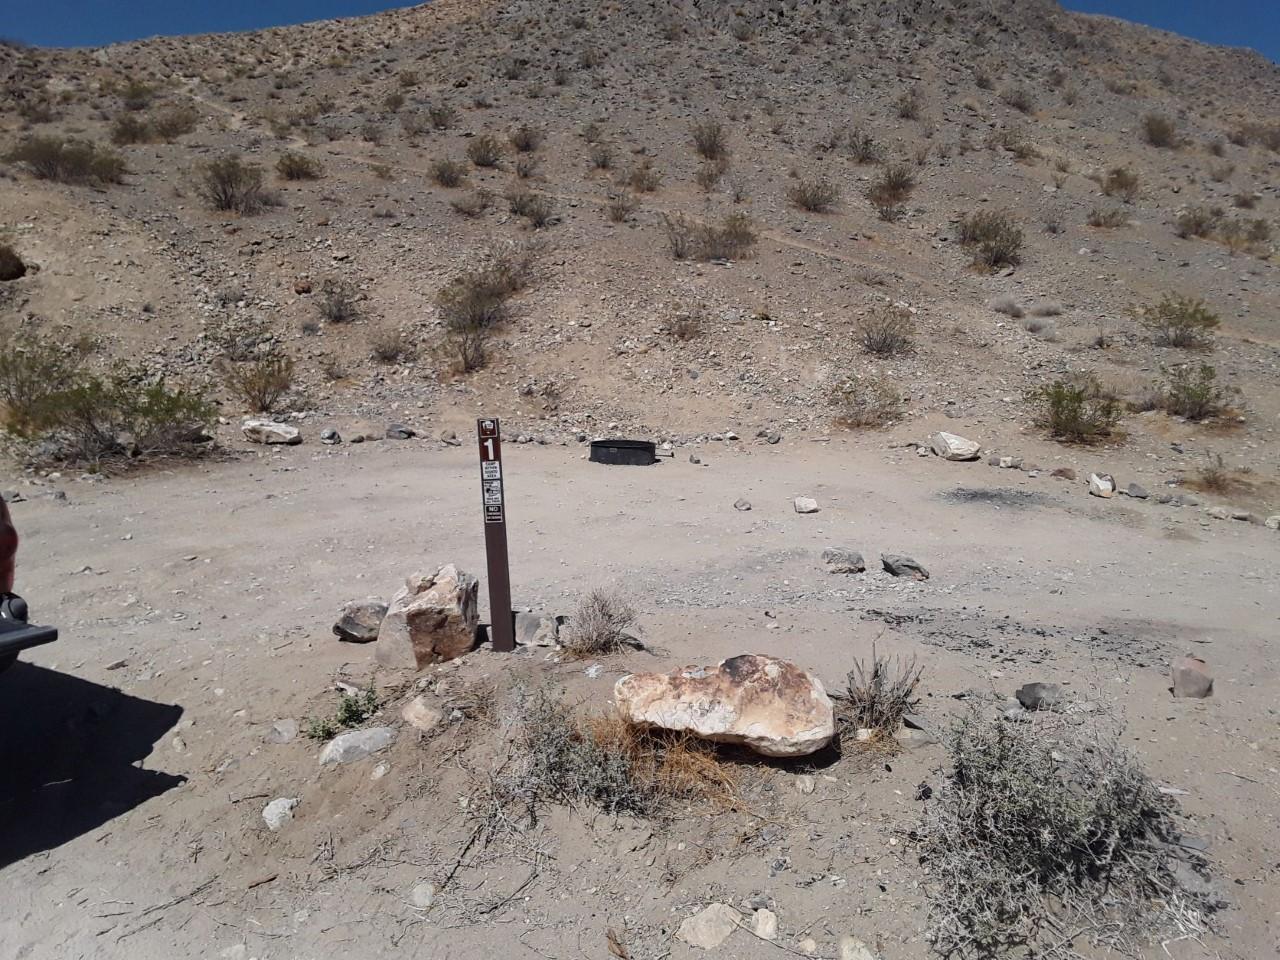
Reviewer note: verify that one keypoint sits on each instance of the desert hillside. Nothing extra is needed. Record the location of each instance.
(957, 326)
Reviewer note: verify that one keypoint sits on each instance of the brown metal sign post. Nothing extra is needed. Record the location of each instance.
(501, 628)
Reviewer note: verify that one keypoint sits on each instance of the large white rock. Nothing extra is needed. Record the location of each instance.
(764, 703)
(356, 745)
(279, 812)
(433, 618)
(710, 926)
(268, 431)
(949, 446)
(1102, 485)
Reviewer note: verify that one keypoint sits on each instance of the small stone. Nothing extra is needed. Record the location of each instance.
(808, 946)
(709, 927)
(450, 437)
(805, 784)
(1191, 678)
(359, 620)
(806, 505)
(764, 924)
(1137, 492)
(356, 745)
(901, 566)
(1102, 485)
(742, 505)
(398, 431)
(420, 715)
(843, 560)
(694, 459)
(268, 431)
(1039, 696)
(302, 287)
(1218, 513)
(772, 438)
(535, 630)
(1063, 473)
(851, 948)
(330, 436)
(279, 812)
(949, 446)
(1244, 515)
(1273, 522)
(282, 731)
(423, 895)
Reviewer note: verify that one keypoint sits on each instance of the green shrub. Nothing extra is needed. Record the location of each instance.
(261, 382)
(1076, 410)
(230, 184)
(1178, 321)
(69, 161)
(297, 166)
(1192, 391)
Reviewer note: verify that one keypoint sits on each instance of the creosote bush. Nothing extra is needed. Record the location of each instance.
(476, 301)
(865, 401)
(537, 208)
(1178, 321)
(73, 414)
(232, 185)
(69, 161)
(1121, 182)
(1159, 130)
(484, 151)
(1197, 222)
(1076, 409)
(730, 240)
(1191, 391)
(815, 194)
(297, 166)
(448, 173)
(599, 625)
(526, 138)
(887, 330)
(1044, 832)
(891, 191)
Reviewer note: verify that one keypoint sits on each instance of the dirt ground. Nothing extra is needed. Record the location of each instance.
(195, 608)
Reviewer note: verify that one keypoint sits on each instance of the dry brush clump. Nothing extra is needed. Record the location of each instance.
(338, 302)
(877, 696)
(994, 238)
(732, 239)
(484, 151)
(1044, 833)
(448, 173)
(710, 140)
(229, 184)
(890, 193)
(860, 401)
(261, 382)
(1178, 321)
(1159, 130)
(476, 301)
(887, 330)
(599, 625)
(814, 194)
(296, 166)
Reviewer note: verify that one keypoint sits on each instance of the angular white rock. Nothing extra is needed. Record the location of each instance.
(268, 431)
(949, 446)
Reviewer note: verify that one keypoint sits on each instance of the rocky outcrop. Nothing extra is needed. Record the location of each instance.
(764, 703)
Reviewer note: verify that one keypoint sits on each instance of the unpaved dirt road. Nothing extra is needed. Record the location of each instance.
(196, 605)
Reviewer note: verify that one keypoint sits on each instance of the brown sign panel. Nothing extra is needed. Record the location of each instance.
(493, 500)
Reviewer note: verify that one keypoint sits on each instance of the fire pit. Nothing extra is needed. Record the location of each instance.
(633, 453)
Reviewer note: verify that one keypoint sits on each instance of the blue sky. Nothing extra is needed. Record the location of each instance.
(1254, 23)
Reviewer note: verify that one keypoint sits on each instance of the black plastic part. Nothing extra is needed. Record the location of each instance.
(15, 633)
(631, 453)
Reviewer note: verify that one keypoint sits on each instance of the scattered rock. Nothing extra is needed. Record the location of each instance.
(535, 630)
(1218, 513)
(806, 505)
(1191, 678)
(1137, 492)
(767, 704)
(398, 431)
(433, 618)
(423, 895)
(268, 431)
(805, 784)
(1273, 523)
(851, 948)
(330, 436)
(420, 715)
(1102, 485)
(450, 437)
(743, 505)
(1040, 696)
(949, 446)
(901, 566)
(1063, 473)
(359, 620)
(1244, 515)
(710, 926)
(1010, 463)
(808, 946)
(843, 560)
(356, 745)
(302, 287)
(279, 812)
(282, 731)
(764, 924)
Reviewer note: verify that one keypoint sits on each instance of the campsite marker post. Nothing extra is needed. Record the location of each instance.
(501, 628)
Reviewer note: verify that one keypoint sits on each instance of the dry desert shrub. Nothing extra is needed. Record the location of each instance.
(1159, 130)
(473, 204)
(994, 238)
(710, 141)
(878, 695)
(526, 138)
(391, 345)
(484, 151)
(1107, 217)
(476, 301)
(643, 178)
(599, 625)
(1197, 222)
(890, 192)
(259, 383)
(1045, 832)
(448, 173)
(297, 166)
(337, 303)
(537, 208)
(1121, 182)
(230, 184)
(1020, 98)
(887, 330)
(815, 194)
(1076, 409)
(730, 240)
(620, 206)
(865, 401)
(1178, 321)
(68, 161)
(1191, 391)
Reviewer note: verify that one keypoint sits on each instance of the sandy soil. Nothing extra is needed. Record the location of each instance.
(195, 609)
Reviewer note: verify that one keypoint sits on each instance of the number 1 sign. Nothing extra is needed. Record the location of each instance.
(502, 626)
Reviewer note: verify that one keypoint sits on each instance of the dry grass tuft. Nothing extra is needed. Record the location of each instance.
(878, 695)
(599, 625)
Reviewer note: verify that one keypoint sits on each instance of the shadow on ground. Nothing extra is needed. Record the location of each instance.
(68, 755)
